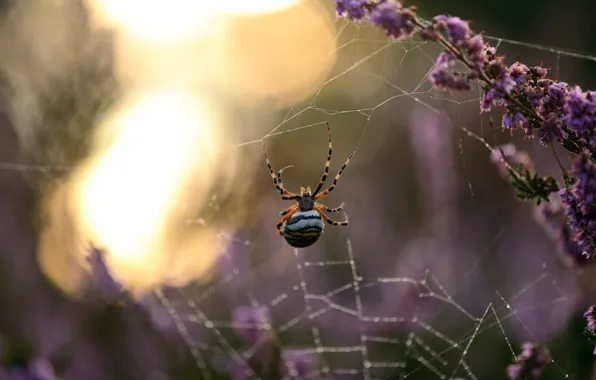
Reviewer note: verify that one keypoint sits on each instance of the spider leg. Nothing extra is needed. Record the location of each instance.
(327, 164)
(285, 219)
(326, 218)
(334, 183)
(287, 211)
(327, 209)
(280, 172)
(285, 194)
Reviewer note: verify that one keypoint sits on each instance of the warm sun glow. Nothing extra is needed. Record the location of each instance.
(129, 190)
(161, 149)
(240, 7)
(159, 21)
(153, 19)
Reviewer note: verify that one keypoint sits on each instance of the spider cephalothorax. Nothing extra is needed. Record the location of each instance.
(306, 202)
(302, 224)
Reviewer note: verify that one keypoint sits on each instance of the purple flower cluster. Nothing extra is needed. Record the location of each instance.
(461, 46)
(580, 202)
(397, 21)
(530, 363)
(542, 107)
(551, 110)
(551, 214)
(580, 115)
(543, 103)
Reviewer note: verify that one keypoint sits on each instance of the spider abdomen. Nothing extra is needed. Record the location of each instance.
(303, 229)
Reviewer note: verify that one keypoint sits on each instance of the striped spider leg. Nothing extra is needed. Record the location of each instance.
(285, 194)
(316, 195)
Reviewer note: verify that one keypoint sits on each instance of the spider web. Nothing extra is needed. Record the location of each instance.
(369, 301)
(404, 292)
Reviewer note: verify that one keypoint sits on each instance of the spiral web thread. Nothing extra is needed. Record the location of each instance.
(422, 350)
(419, 349)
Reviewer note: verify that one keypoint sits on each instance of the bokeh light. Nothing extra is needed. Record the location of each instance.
(129, 190)
(163, 138)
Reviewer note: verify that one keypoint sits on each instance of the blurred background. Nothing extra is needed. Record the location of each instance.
(137, 127)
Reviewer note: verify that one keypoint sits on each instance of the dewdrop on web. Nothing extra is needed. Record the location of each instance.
(156, 156)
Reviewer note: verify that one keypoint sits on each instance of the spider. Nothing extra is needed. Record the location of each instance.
(302, 224)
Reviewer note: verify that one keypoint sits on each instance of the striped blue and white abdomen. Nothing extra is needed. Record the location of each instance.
(303, 229)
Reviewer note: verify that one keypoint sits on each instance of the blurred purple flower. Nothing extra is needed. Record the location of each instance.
(301, 365)
(436, 168)
(458, 30)
(490, 98)
(444, 79)
(580, 110)
(39, 369)
(509, 153)
(530, 363)
(551, 216)
(391, 17)
(445, 59)
(590, 316)
(518, 72)
(102, 281)
(252, 324)
(462, 45)
(551, 129)
(515, 121)
(580, 202)
(354, 10)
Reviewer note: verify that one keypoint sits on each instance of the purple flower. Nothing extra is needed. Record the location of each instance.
(549, 109)
(538, 72)
(580, 203)
(530, 363)
(535, 95)
(580, 111)
(446, 80)
(557, 95)
(457, 30)
(352, 9)
(490, 98)
(446, 60)
(551, 129)
(443, 78)
(590, 316)
(498, 72)
(519, 71)
(551, 216)
(252, 323)
(477, 51)
(397, 22)
(518, 120)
